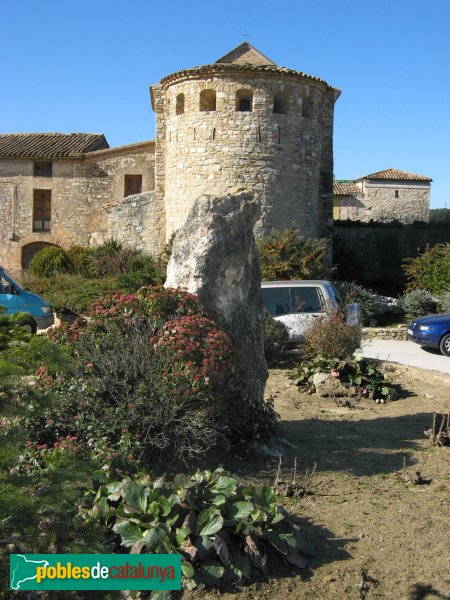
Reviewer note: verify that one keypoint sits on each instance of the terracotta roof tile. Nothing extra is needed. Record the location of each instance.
(395, 175)
(50, 145)
(231, 67)
(341, 188)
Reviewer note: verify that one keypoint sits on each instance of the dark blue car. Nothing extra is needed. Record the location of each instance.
(432, 331)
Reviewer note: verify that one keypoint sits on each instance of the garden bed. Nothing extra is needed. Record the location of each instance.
(362, 514)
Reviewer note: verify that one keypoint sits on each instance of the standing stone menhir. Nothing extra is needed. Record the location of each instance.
(214, 255)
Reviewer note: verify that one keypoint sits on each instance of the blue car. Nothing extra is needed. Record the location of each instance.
(14, 298)
(432, 331)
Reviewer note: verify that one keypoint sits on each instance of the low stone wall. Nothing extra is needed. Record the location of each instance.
(385, 333)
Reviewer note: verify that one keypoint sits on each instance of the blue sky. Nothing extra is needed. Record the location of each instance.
(86, 65)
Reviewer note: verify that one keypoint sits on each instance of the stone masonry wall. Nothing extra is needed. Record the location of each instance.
(353, 207)
(372, 253)
(79, 188)
(412, 204)
(385, 333)
(132, 220)
(378, 203)
(285, 159)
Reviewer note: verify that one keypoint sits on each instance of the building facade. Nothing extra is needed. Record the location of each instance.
(55, 189)
(390, 195)
(240, 122)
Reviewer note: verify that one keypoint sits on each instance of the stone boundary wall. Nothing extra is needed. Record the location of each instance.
(385, 333)
(132, 220)
(372, 253)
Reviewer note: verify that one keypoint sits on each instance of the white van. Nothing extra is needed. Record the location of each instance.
(298, 303)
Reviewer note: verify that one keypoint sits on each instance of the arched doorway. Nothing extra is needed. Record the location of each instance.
(30, 250)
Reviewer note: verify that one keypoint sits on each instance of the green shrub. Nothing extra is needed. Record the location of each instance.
(429, 271)
(284, 257)
(50, 261)
(331, 338)
(109, 259)
(276, 337)
(73, 293)
(359, 373)
(78, 257)
(21, 353)
(352, 292)
(142, 271)
(417, 303)
(444, 302)
(225, 530)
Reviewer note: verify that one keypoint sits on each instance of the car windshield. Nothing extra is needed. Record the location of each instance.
(8, 279)
(287, 300)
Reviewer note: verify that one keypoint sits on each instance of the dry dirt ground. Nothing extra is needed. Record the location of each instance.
(361, 514)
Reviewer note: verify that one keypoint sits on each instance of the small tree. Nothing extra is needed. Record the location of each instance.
(284, 257)
(430, 270)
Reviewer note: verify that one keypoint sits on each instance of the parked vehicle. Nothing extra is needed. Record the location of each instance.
(298, 303)
(15, 298)
(432, 331)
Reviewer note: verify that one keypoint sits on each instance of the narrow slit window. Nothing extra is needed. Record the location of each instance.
(179, 104)
(244, 101)
(308, 108)
(42, 210)
(396, 194)
(207, 100)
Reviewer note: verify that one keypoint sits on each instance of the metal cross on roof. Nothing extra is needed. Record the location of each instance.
(245, 35)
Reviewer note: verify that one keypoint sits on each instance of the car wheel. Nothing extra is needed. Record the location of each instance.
(30, 327)
(444, 345)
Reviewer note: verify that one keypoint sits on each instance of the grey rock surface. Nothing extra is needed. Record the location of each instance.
(327, 386)
(385, 305)
(214, 255)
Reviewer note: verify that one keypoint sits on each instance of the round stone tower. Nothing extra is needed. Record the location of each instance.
(244, 121)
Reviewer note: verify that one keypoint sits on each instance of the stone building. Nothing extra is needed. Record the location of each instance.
(241, 121)
(390, 195)
(56, 189)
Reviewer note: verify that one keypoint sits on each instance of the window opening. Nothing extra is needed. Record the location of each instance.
(207, 100)
(279, 104)
(42, 210)
(244, 100)
(43, 168)
(179, 104)
(133, 185)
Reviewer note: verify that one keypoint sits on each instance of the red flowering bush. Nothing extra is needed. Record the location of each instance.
(203, 351)
(156, 304)
(66, 334)
(38, 456)
(151, 364)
